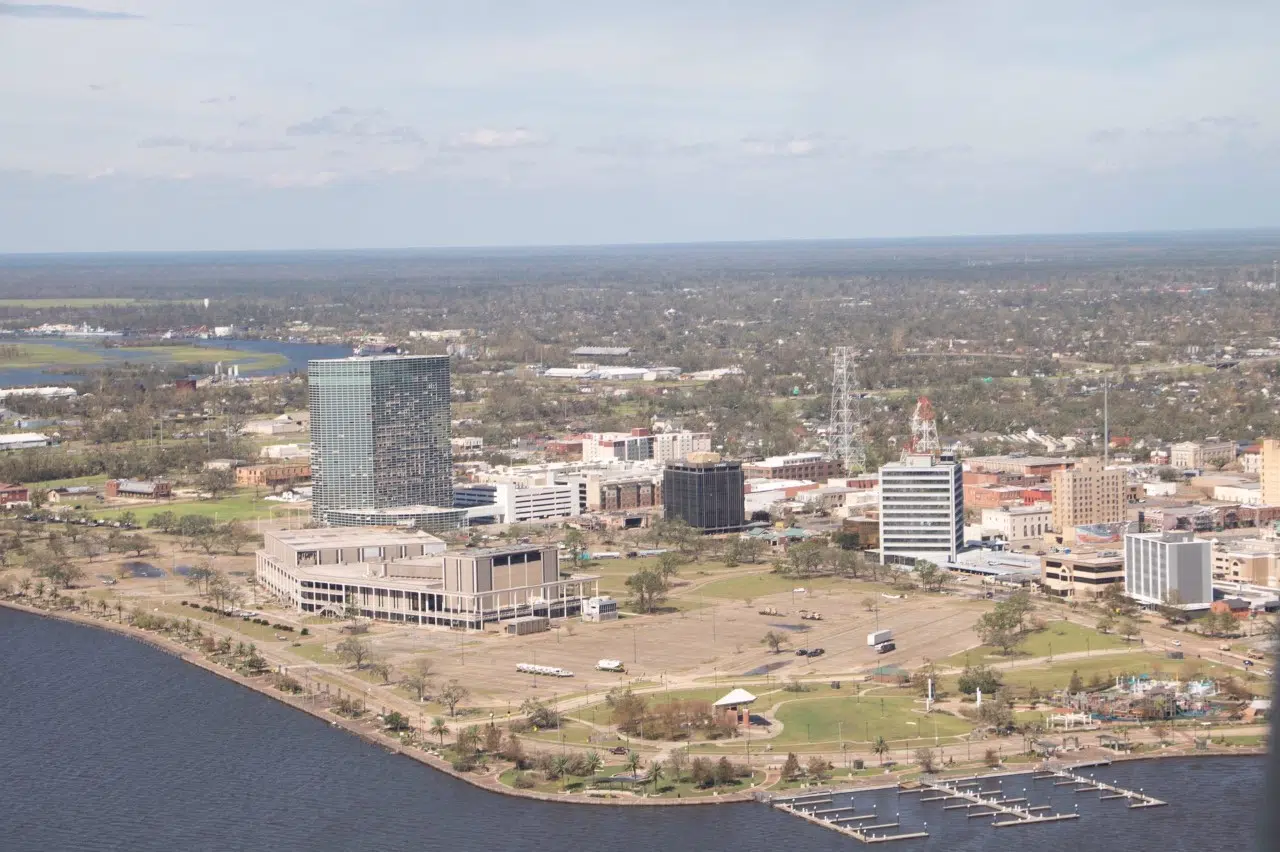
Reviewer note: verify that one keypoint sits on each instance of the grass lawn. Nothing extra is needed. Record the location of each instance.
(241, 505)
(46, 355)
(1108, 667)
(1058, 637)
(574, 734)
(256, 632)
(50, 484)
(211, 354)
(315, 652)
(823, 720)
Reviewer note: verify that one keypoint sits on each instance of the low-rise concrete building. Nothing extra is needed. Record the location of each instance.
(411, 578)
(1196, 455)
(813, 466)
(273, 475)
(1014, 523)
(1082, 575)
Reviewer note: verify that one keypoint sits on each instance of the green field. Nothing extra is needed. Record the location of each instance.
(206, 355)
(824, 720)
(240, 506)
(1108, 667)
(1058, 637)
(50, 484)
(45, 355)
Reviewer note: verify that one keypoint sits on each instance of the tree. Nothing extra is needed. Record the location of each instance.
(1106, 623)
(468, 740)
(1128, 628)
(452, 694)
(139, 544)
(791, 768)
(669, 565)
(1076, 684)
(998, 628)
(869, 604)
(724, 772)
(991, 758)
(418, 679)
(237, 536)
(677, 761)
(216, 482)
(817, 768)
(997, 711)
(592, 762)
(632, 762)
(775, 640)
(355, 650)
(382, 670)
(492, 739)
(396, 721)
(880, 748)
(925, 759)
(576, 543)
(539, 714)
(648, 589)
(655, 774)
(932, 578)
(978, 677)
(438, 728)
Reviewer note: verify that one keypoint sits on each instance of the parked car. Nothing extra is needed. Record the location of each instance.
(802, 652)
(817, 652)
(618, 750)
(1177, 643)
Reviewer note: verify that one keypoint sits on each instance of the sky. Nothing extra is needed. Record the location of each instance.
(168, 125)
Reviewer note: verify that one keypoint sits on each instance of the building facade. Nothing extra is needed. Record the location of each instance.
(1269, 471)
(380, 433)
(1162, 566)
(1088, 493)
(643, 445)
(273, 475)
(513, 504)
(921, 509)
(1196, 455)
(813, 466)
(1018, 522)
(708, 495)
(1080, 575)
(411, 578)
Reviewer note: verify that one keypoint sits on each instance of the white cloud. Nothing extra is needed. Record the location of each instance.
(489, 139)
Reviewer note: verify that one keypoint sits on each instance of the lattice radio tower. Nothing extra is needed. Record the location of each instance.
(844, 433)
(924, 429)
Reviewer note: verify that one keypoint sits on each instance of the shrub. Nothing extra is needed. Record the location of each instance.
(522, 781)
(305, 632)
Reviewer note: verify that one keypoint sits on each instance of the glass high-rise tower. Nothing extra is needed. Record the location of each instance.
(379, 438)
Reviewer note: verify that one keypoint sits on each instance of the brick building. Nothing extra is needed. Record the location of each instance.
(273, 475)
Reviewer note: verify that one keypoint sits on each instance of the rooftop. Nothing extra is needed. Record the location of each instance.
(351, 537)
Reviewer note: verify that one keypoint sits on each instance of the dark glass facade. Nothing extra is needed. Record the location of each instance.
(705, 495)
(380, 432)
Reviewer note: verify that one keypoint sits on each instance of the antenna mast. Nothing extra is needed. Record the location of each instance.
(844, 433)
(924, 429)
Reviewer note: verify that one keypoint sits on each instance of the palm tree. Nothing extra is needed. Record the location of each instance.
(560, 766)
(655, 774)
(120, 610)
(592, 762)
(439, 728)
(40, 587)
(24, 585)
(881, 748)
(633, 762)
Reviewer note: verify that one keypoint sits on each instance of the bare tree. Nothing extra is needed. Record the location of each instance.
(453, 694)
(355, 650)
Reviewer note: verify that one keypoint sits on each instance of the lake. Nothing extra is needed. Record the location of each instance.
(109, 744)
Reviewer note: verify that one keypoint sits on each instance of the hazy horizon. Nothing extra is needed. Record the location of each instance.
(144, 125)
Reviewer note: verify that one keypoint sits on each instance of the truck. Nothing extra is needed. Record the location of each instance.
(610, 666)
(878, 637)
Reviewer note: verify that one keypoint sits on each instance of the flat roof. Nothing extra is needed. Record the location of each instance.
(351, 537)
(1034, 461)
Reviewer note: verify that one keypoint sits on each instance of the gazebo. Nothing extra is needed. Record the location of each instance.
(737, 705)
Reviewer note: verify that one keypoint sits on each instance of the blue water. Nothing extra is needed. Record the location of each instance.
(108, 744)
(297, 353)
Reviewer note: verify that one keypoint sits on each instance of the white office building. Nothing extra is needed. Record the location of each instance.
(921, 509)
(514, 504)
(1158, 566)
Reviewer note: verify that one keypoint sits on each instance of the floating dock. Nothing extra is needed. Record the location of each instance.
(807, 808)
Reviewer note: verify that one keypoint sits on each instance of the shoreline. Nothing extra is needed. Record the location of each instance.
(489, 781)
